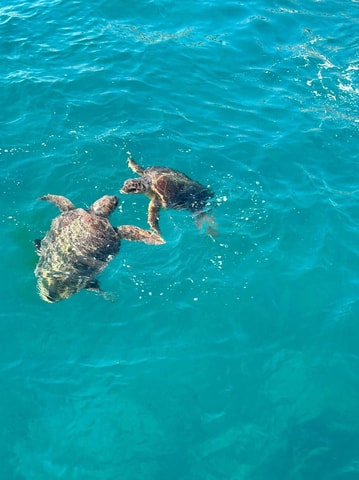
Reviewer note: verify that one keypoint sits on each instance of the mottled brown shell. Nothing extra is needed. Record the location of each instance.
(176, 190)
(77, 247)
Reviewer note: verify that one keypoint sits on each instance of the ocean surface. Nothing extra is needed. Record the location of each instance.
(228, 357)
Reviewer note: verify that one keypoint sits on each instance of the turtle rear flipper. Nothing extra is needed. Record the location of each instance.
(137, 234)
(61, 202)
(204, 220)
(37, 245)
(94, 286)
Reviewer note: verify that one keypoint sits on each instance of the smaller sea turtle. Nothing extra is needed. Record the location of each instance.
(79, 245)
(169, 188)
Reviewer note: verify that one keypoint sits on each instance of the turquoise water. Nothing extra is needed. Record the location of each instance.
(234, 357)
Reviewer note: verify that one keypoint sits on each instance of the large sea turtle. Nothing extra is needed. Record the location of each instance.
(169, 188)
(79, 245)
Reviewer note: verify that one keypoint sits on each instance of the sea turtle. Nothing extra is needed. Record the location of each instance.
(79, 245)
(169, 188)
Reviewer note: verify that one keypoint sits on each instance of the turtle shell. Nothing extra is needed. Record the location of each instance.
(77, 247)
(176, 190)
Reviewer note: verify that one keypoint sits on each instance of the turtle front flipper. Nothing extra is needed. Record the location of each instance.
(153, 214)
(61, 202)
(137, 234)
(134, 166)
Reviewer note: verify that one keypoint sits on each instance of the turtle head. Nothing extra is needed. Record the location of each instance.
(104, 206)
(135, 185)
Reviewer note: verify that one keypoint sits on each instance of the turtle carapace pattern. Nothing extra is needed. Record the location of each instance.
(79, 245)
(168, 188)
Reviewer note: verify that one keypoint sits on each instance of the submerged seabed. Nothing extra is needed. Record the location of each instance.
(231, 357)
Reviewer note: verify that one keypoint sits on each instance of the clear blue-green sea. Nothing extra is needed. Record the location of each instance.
(228, 357)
